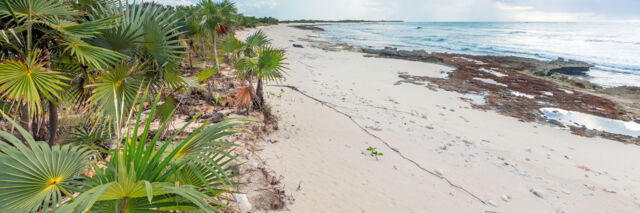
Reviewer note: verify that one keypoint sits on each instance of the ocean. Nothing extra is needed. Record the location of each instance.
(613, 47)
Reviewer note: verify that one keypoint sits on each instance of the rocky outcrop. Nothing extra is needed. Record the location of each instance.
(578, 71)
(308, 27)
(415, 55)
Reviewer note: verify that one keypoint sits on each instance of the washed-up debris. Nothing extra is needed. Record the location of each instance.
(242, 202)
(537, 192)
(583, 167)
(589, 186)
(439, 171)
(505, 198)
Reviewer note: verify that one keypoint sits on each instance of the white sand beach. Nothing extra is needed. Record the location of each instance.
(488, 162)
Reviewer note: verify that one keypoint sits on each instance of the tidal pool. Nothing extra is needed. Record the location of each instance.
(566, 117)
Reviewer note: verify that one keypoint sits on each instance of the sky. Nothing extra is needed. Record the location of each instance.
(440, 10)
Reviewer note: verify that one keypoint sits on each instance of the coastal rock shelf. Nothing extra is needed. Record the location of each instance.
(520, 87)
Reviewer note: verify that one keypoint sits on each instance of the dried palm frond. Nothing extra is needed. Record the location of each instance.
(244, 97)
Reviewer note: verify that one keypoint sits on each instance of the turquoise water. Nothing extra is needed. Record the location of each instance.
(613, 47)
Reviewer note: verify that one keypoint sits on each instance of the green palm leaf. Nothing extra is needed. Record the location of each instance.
(31, 178)
(270, 64)
(28, 82)
(36, 9)
(115, 86)
(92, 55)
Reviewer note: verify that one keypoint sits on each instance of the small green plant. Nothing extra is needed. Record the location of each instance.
(218, 100)
(374, 152)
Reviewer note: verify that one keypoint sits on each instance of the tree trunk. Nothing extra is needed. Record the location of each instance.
(190, 60)
(53, 122)
(215, 51)
(202, 49)
(26, 120)
(259, 94)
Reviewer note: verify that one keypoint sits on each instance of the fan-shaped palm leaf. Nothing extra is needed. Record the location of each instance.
(28, 82)
(32, 178)
(270, 64)
(92, 55)
(116, 85)
(142, 30)
(35, 9)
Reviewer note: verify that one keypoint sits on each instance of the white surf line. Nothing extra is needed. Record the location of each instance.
(383, 141)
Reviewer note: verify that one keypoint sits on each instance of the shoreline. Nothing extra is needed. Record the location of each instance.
(507, 164)
(478, 74)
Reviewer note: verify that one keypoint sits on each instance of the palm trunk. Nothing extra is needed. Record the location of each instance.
(259, 94)
(215, 51)
(190, 59)
(53, 122)
(26, 120)
(202, 49)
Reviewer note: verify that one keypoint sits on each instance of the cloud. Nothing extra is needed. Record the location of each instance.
(530, 13)
(256, 4)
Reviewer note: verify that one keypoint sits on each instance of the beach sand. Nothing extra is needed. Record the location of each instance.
(440, 155)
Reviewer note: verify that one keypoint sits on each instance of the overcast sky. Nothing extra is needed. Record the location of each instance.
(441, 10)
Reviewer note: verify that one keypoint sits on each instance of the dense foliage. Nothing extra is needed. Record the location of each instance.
(98, 62)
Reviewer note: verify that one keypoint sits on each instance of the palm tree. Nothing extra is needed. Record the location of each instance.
(267, 65)
(249, 47)
(36, 33)
(216, 18)
(150, 36)
(145, 174)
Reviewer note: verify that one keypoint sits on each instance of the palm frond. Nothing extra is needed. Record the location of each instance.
(91, 55)
(270, 64)
(28, 82)
(32, 178)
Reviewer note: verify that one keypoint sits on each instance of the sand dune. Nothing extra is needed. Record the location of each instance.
(487, 161)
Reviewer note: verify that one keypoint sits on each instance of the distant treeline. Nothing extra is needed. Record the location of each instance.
(250, 21)
(335, 21)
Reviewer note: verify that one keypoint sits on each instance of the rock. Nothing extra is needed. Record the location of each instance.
(308, 27)
(563, 211)
(556, 123)
(589, 186)
(505, 198)
(537, 192)
(283, 136)
(608, 190)
(492, 203)
(242, 202)
(298, 46)
(439, 171)
(216, 117)
(580, 71)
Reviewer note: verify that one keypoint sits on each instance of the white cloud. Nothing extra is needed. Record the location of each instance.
(530, 13)
(256, 4)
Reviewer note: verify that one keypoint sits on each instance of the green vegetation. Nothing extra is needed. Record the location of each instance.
(374, 152)
(80, 75)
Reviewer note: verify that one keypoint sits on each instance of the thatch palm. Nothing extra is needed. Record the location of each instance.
(216, 18)
(39, 30)
(268, 65)
(146, 175)
(34, 175)
(249, 47)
